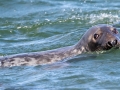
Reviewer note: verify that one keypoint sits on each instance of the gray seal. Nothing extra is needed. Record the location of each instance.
(97, 38)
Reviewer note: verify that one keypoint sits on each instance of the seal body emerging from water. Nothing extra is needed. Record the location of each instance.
(97, 38)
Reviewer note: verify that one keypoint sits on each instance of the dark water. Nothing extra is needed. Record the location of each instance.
(37, 25)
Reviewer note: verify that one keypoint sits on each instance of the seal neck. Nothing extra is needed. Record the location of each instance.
(82, 46)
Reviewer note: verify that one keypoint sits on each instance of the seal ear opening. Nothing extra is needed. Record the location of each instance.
(115, 31)
(96, 36)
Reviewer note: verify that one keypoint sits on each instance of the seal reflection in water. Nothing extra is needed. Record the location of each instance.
(97, 38)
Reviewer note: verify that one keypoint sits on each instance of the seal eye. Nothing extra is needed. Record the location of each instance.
(96, 36)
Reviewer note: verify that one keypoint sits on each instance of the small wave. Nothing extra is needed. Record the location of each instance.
(109, 18)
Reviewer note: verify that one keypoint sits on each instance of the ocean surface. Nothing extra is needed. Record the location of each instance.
(38, 25)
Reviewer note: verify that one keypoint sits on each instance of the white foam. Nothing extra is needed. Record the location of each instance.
(96, 17)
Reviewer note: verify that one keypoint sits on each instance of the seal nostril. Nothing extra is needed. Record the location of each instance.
(114, 42)
(109, 44)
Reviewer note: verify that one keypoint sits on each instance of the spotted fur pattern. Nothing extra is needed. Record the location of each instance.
(107, 38)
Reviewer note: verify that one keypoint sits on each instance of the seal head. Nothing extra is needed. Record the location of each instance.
(100, 37)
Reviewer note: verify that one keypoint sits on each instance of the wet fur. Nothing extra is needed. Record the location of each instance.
(86, 43)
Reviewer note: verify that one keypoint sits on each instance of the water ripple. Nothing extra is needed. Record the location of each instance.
(37, 25)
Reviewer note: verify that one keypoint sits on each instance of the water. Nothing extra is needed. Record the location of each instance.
(37, 25)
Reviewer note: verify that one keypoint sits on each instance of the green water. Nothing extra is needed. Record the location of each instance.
(37, 25)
